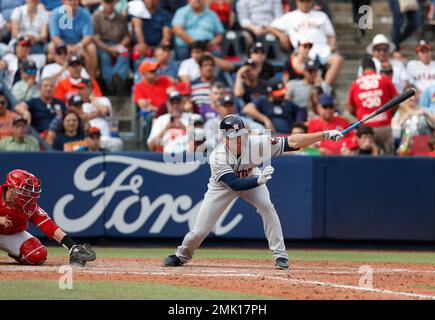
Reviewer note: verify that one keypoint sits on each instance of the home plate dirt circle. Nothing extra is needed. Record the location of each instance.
(304, 280)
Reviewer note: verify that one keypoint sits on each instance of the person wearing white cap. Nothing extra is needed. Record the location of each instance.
(381, 49)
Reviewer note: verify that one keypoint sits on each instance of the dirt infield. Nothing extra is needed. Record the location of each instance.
(304, 280)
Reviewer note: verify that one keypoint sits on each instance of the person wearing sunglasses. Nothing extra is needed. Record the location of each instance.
(152, 91)
(380, 49)
(327, 119)
(26, 88)
(248, 85)
(264, 69)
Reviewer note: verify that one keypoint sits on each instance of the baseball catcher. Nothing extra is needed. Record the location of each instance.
(18, 205)
(235, 173)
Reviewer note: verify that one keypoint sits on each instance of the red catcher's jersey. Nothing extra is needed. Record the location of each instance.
(20, 220)
(368, 93)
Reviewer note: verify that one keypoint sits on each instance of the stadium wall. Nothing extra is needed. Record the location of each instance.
(138, 195)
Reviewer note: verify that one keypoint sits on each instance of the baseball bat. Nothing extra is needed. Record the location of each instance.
(390, 104)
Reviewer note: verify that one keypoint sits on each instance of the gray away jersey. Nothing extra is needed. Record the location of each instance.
(255, 151)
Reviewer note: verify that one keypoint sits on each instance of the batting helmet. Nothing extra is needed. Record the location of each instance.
(233, 126)
(27, 189)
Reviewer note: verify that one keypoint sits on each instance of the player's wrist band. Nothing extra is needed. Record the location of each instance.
(67, 242)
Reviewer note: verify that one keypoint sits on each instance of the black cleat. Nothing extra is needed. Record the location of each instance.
(172, 261)
(281, 263)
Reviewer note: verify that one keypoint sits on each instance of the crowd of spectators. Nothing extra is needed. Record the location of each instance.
(60, 60)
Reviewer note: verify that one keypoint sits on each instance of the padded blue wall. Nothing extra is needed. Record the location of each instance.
(137, 195)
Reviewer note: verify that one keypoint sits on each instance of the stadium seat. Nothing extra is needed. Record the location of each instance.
(275, 55)
(232, 48)
(420, 145)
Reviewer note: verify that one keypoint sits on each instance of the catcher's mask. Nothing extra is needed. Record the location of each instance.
(27, 189)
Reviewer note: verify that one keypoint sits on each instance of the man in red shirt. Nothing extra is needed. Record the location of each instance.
(152, 91)
(69, 87)
(367, 94)
(18, 205)
(327, 120)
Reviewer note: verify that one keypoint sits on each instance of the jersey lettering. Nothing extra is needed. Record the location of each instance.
(243, 173)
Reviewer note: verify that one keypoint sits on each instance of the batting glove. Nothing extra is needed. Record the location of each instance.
(332, 135)
(266, 175)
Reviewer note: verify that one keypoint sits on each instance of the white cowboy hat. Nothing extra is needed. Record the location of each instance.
(380, 39)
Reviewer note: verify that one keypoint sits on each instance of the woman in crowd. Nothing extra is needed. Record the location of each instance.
(31, 20)
(410, 120)
(70, 136)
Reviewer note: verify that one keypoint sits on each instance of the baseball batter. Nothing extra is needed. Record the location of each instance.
(235, 173)
(18, 205)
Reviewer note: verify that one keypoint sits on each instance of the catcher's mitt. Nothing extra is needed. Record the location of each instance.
(80, 254)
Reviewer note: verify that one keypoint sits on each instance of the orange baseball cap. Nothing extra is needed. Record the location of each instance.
(93, 131)
(148, 66)
(276, 88)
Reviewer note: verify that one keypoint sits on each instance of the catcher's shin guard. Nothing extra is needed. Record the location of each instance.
(32, 252)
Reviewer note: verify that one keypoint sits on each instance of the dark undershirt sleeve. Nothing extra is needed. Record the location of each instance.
(287, 148)
(239, 184)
